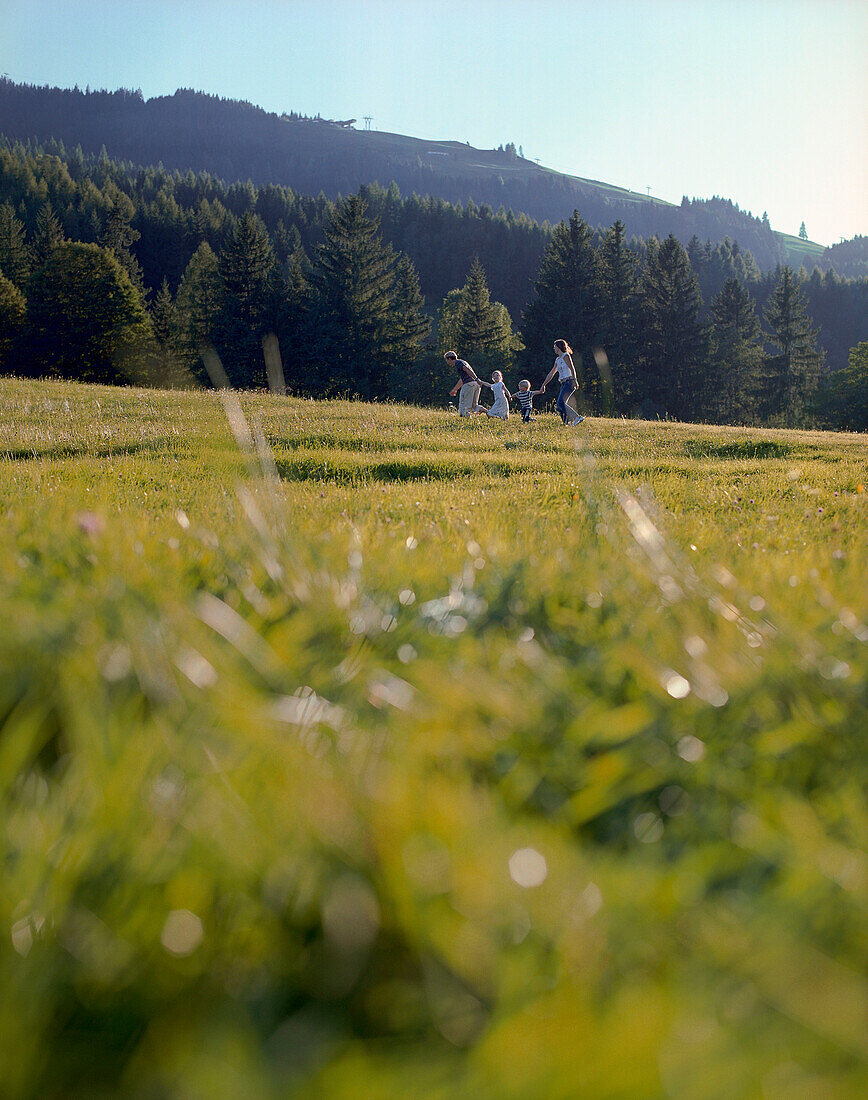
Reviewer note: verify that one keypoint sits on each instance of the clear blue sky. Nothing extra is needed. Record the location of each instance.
(764, 102)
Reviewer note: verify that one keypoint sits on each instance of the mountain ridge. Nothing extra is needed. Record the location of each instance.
(234, 139)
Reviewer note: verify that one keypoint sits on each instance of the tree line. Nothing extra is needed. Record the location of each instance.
(110, 273)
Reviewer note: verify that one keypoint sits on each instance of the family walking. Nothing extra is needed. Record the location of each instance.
(469, 387)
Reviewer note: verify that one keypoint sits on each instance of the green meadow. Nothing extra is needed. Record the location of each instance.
(355, 750)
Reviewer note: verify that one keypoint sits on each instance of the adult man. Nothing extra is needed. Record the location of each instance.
(467, 387)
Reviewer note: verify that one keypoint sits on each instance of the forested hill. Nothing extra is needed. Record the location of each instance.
(239, 141)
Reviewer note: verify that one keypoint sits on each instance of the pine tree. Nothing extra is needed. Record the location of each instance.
(119, 236)
(166, 366)
(14, 253)
(246, 263)
(199, 305)
(354, 335)
(792, 375)
(736, 357)
(803, 233)
(618, 318)
(675, 340)
(566, 299)
(248, 272)
(293, 320)
(412, 323)
(49, 235)
(479, 328)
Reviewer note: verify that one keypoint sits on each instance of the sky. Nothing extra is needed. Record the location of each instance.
(764, 102)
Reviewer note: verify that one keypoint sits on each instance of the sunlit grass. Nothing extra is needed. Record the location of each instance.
(381, 753)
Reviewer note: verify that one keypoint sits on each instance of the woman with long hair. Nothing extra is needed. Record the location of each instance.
(566, 372)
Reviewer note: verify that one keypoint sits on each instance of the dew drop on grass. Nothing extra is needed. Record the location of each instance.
(690, 748)
(648, 828)
(528, 868)
(182, 932)
(695, 646)
(676, 685)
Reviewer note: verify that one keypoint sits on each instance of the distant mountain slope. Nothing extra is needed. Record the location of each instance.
(239, 141)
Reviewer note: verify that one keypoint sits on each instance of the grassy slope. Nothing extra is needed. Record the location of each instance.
(446, 762)
(467, 162)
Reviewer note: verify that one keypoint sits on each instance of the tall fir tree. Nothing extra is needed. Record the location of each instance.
(356, 332)
(566, 301)
(15, 256)
(412, 323)
(735, 357)
(619, 336)
(293, 319)
(49, 234)
(166, 364)
(675, 339)
(477, 327)
(248, 271)
(118, 235)
(793, 374)
(199, 306)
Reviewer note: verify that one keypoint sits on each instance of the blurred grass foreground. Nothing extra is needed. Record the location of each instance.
(360, 751)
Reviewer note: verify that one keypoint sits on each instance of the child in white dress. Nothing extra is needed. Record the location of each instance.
(502, 397)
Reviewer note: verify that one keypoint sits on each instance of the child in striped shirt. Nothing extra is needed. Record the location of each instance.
(525, 395)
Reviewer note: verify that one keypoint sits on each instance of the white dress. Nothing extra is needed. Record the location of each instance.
(500, 408)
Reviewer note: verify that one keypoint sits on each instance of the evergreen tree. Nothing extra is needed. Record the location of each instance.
(849, 391)
(792, 375)
(14, 253)
(619, 336)
(246, 263)
(675, 340)
(85, 319)
(803, 233)
(355, 332)
(293, 319)
(162, 314)
(412, 323)
(119, 236)
(736, 357)
(248, 272)
(199, 306)
(481, 329)
(166, 367)
(13, 310)
(49, 235)
(566, 298)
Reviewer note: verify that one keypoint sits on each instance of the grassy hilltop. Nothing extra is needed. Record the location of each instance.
(359, 751)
